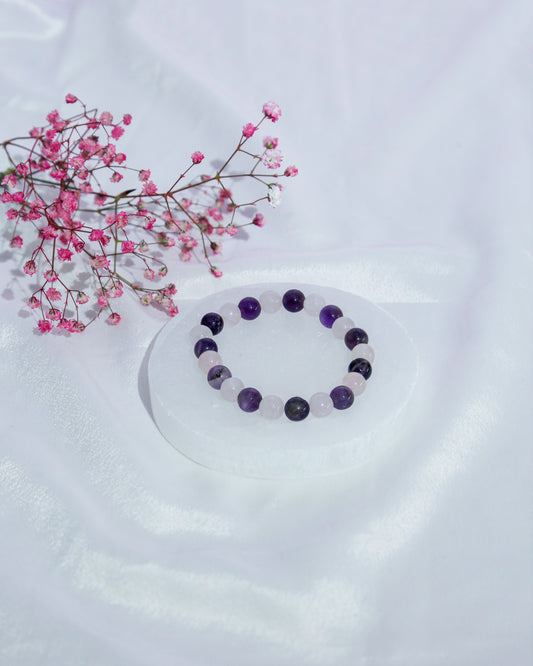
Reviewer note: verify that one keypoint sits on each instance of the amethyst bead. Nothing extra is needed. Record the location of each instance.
(216, 375)
(342, 397)
(204, 344)
(355, 336)
(213, 321)
(296, 409)
(362, 366)
(250, 308)
(249, 399)
(293, 300)
(328, 314)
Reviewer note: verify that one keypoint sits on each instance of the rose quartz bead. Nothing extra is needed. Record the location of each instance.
(271, 407)
(208, 359)
(321, 404)
(313, 304)
(198, 332)
(354, 381)
(270, 301)
(341, 326)
(230, 313)
(231, 388)
(363, 351)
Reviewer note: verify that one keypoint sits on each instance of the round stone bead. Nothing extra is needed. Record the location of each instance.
(270, 301)
(204, 344)
(199, 331)
(363, 351)
(230, 313)
(362, 366)
(296, 409)
(218, 374)
(208, 359)
(355, 381)
(355, 336)
(293, 300)
(313, 304)
(250, 308)
(320, 404)
(342, 397)
(271, 407)
(213, 321)
(341, 326)
(249, 399)
(231, 388)
(328, 314)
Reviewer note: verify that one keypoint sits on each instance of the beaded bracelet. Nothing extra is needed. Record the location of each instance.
(296, 408)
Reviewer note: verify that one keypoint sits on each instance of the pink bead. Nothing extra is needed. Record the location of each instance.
(341, 326)
(230, 313)
(230, 389)
(198, 332)
(320, 404)
(363, 351)
(208, 359)
(271, 407)
(354, 381)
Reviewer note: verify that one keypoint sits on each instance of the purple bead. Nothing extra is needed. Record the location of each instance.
(328, 314)
(249, 399)
(355, 336)
(362, 366)
(250, 308)
(216, 375)
(296, 409)
(342, 397)
(213, 321)
(204, 344)
(293, 300)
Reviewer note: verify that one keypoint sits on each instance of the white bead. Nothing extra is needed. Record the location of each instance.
(230, 388)
(271, 407)
(313, 304)
(270, 302)
(320, 404)
(230, 313)
(355, 381)
(341, 325)
(208, 359)
(199, 332)
(363, 351)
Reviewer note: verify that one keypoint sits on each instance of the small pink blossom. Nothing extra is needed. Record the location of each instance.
(126, 118)
(22, 169)
(216, 272)
(146, 299)
(274, 195)
(271, 110)
(53, 116)
(100, 198)
(117, 132)
(29, 267)
(53, 294)
(163, 271)
(119, 158)
(149, 188)
(149, 274)
(54, 314)
(50, 275)
(16, 241)
(258, 220)
(106, 118)
(71, 99)
(34, 302)
(270, 142)
(121, 220)
(78, 245)
(82, 298)
(272, 158)
(44, 326)
(144, 174)
(12, 214)
(102, 301)
(231, 230)
(64, 254)
(128, 246)
(113, 319)
(99, 261)
(291, 171)
(116, 177)
(197, 157)
(185, 256)
(248, 130)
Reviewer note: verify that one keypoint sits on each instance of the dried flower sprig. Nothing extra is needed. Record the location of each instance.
(62, 189)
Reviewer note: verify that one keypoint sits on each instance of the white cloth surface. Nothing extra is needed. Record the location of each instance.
(411, 126)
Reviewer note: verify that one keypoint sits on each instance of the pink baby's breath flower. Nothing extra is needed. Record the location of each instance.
(100, 198)
(53, 294)
(81, 298)
(117, 132)
(99, 261)
(50, 275)
(44, 326)
(274, 195)
(29, 267)
(163, 271)
(126, 118)
(102, 301)
(71, 99)
(53, 116)
(231, 230)
(121, 220)
(144, 174)
(270, 142)
(149, 274)
(197, 157)
(16, 241)
(113, 319)
(119, 158)
(34, 302)
(258, 220)
(185, 256)
(106, 118)
(78, 245)
(128, 246)
(272, 158)
(116, 177)
(22, 169)
(146, 299)
(216, 272)
(173, 310)
(248, 130)
(54, 314)
(291, 171)
(149, 188)
(271, 110)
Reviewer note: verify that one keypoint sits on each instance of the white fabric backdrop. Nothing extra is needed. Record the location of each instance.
(411, 126)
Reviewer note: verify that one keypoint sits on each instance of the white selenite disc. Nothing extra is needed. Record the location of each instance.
(282, 354)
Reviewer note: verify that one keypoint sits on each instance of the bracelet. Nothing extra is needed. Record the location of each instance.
(296, 408)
